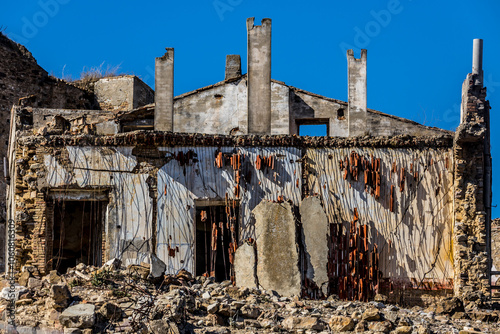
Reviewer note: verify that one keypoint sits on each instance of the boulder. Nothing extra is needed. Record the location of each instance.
(341, 324)
(213, 308)
(403, 330)
(23, 279)
(380, 326)
(141, 270)
(371, 314)
(302, 323)
(249, 311)
(34, 283)
(53, 277)
(450, 306)
(111, 311)
(162, 326)
(60, 295)
(78, 316)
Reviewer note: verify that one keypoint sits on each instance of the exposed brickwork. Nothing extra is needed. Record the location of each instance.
(471, 231)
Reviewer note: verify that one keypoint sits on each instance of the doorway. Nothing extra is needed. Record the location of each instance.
(216, 240)
(77, 233)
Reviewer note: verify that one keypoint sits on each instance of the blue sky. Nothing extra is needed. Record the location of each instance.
(419, 51)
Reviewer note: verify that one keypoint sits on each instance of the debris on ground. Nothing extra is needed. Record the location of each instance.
(140, 299)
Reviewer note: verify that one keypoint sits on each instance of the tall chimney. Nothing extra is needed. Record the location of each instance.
(164, 92)
(477, 61)
(233, 67)
(357, 114)
(259, 77)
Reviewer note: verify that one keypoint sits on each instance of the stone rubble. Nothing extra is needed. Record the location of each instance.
(114, 299)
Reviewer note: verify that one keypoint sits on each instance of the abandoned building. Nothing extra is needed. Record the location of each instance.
(219, 182)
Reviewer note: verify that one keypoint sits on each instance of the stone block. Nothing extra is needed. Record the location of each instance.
(245, 266)
(315, 238)
(277, 253)
(78, 316)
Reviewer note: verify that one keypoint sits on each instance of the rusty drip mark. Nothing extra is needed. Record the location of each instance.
(214, 236)
(203, 216)
(447, 163)
(391, 203)
(352, 267)
(218, 160)
(394, 168)
(258, 162)
(402, 180)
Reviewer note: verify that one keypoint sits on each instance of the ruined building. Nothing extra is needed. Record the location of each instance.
(217, 181)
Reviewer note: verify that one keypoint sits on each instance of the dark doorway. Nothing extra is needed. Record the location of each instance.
(216, 236)
(78, 228)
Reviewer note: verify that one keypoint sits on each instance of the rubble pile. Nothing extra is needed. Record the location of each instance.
(138, 299)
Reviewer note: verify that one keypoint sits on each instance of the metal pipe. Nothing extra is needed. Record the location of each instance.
(477, 61)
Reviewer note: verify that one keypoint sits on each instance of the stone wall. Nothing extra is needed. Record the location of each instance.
(21, 76)
(414, 247)
(472, 157)
(495, 249)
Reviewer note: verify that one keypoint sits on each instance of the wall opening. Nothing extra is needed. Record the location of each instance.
(77, 233)
(216, 237)
(315, 127)
(340, 114)
(316, 130)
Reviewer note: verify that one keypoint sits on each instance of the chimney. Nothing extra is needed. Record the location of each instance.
(233, 67)
(477, 61)
(164, 92)
(357, 114)
(259, 77)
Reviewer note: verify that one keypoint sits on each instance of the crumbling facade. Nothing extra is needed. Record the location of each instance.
(224, 187)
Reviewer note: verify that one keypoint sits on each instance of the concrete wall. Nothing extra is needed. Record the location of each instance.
(121, 93)
(356, 74)
(222, 109)
(164, 91)
(217, 109)
(306, 107)
(259, 77)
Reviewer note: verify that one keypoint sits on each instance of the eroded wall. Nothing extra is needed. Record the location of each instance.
(154, 187)
(414, 239)
(81, 173)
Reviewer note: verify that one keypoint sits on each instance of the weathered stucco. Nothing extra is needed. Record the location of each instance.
(414, 240)
(128, 226)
